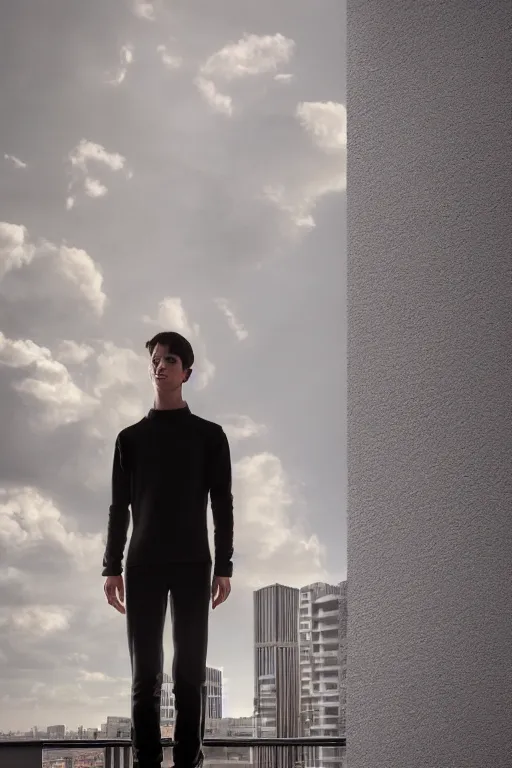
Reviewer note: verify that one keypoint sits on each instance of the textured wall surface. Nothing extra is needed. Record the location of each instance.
(429, 384)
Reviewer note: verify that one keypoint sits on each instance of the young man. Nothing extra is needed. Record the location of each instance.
(164, 468)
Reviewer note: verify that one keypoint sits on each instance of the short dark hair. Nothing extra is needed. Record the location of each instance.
(176, 344)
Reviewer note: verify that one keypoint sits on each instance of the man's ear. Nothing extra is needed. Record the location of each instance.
(188, 374)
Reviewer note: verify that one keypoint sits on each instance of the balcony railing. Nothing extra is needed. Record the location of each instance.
(241, 752)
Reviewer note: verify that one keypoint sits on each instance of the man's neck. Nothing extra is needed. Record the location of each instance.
(170, 403)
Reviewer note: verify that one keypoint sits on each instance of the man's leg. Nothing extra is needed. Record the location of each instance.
(146, 602)
(190, 589)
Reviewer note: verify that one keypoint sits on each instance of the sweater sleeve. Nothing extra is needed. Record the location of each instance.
(222, 504)
(119, 515)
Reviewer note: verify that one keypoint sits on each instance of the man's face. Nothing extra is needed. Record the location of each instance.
(166, 370)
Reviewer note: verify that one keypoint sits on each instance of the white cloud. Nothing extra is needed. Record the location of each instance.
(284, 77)
(113, 392)
(310, 178)
(118, 379)
(38, 620)
(144, 9)
(297, 202)
(48, 381)
(15, 161)
(206, 372)
(69, 352)
(238, 329)
(172, 313)
(78, 267)
(29, 520)
(171, 316)
(169, 60)
(74, 264)
(326, 122)
(121, 383)
(94, 188)
(62, 601)
(87, 155)
(87, 151)
(218, 101)
(271, 538)
(127, 54)
(125, 59)
(118, 366)
(95, 677)
(252, 55)
(15, 250)
(238, 427)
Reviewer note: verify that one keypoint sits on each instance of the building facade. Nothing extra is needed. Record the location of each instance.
(213, 693)
(118, 728)
(323, 664)
(213, 698)
(276, 669)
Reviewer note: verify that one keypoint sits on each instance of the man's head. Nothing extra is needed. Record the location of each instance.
(172, 359)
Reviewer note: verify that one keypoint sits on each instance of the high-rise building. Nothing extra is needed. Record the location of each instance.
(56, 732)
(167, 712)
(323, 660)
(213, 693)
(118, 727)
(213, 698)
(276, 672)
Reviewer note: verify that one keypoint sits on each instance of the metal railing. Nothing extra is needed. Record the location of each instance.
(262, 752)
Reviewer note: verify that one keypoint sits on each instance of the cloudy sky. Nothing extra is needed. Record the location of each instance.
(177, 164)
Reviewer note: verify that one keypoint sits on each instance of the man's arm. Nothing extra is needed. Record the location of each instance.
(119, 516)
(222, 505)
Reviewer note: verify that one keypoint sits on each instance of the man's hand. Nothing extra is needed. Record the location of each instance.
(221, 587)
(114, 591)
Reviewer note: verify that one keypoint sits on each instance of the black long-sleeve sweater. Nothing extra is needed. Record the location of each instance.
(164, 468)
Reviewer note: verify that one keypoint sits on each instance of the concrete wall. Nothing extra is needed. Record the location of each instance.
(429, 417)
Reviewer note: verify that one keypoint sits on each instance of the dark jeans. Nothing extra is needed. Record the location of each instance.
(188, 588)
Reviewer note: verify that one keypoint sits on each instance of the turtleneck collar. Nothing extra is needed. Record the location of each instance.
(169, 414)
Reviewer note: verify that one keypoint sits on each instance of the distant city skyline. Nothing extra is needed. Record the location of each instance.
(177, 167)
